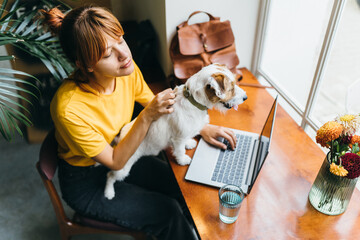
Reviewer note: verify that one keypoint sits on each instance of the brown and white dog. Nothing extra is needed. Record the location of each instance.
(214, 86)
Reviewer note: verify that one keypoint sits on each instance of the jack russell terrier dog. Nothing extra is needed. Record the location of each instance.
(214, 86)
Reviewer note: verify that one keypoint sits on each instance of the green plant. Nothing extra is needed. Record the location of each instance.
(26, 33)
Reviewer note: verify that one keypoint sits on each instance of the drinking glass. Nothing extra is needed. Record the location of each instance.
(230, 198)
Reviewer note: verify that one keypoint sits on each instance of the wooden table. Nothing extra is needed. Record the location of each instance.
(278, 206)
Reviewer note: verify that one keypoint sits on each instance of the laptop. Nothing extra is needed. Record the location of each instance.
(217, 167)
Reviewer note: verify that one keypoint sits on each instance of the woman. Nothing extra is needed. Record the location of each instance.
(90, 108)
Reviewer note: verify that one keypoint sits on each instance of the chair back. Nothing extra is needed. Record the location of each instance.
(48, 158)
(46, 167)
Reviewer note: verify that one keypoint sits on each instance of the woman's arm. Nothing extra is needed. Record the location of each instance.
(115, 158)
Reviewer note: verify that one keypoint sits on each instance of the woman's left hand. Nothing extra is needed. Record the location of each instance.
(211, 133)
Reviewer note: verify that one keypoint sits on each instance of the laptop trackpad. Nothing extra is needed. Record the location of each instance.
(208, 156)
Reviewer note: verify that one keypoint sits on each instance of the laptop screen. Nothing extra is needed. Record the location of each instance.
(264, 142)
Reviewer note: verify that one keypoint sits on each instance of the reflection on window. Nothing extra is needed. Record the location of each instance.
(342, 74)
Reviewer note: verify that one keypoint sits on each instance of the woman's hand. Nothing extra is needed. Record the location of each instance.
(160, 105)
(211, 133)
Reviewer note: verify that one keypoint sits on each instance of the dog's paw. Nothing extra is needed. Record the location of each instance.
(190, 144)
(109, 193)
(185, 160)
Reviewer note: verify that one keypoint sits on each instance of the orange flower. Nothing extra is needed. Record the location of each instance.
(328, 132)
(337, 170)
(354, 139)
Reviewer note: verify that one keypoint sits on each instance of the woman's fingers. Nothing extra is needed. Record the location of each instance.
(217, 143)
(230, 136)
(166, 100)
(162, 104)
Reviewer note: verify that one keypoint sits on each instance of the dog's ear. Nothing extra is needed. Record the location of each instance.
(215, 88)
(216, 82)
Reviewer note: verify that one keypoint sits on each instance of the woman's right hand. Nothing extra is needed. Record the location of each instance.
(160, 105)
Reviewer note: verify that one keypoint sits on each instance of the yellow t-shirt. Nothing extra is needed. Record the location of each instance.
(86, 122)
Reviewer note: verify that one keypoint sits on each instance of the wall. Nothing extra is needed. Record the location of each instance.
(78, 3)
(140, 10)
(242, 14)
(165, 15)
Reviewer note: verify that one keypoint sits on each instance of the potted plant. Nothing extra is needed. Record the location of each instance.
(21, 27)
(339, 173)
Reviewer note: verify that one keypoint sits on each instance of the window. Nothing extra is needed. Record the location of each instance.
(342, 74)
(309, 51)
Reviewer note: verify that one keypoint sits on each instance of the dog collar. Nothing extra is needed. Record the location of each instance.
(191, 99)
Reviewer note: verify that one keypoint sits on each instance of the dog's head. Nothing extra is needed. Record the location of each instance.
(215, 86)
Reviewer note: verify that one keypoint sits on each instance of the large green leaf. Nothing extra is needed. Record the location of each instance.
(17, 88)
(4, 100)
(11, 111)
(16, 72)
(9, 41)
(4, 124)
(27, 34)
(17, 80)
(4, 58)
(30, 29)
(4, 21)
(16, 23)
(2, 8)
(45, 36)
(13, 123)
(25, 22)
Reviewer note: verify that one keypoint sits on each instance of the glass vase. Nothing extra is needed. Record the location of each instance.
(330, 194)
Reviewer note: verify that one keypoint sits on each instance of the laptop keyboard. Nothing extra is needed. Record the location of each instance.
(230, 166)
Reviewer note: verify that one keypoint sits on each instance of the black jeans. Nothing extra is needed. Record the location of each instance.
(148, 200)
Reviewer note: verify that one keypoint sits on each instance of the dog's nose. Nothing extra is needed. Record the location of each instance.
(244, 98)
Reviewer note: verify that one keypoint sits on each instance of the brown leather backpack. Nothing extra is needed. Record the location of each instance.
(198, 45)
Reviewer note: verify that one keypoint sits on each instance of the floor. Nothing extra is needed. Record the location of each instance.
(25, 209)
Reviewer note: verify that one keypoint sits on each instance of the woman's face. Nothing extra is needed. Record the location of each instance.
(116, 62)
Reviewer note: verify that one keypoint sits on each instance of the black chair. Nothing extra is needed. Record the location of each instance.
(46, 167)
